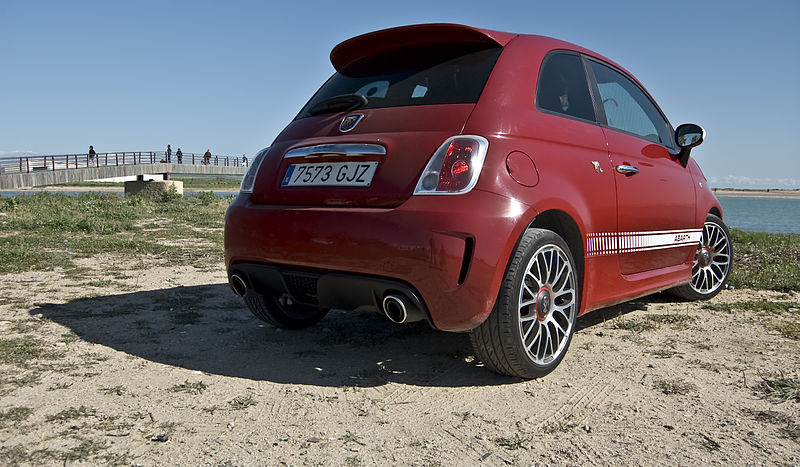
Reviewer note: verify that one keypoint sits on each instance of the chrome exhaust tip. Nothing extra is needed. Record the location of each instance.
(395, 308)
(238, 285)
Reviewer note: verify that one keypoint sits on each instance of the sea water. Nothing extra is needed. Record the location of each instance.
(774, 215)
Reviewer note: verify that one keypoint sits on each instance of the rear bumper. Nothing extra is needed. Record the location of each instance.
(451, 251)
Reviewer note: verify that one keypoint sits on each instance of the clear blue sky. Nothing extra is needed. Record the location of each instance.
(230, 75)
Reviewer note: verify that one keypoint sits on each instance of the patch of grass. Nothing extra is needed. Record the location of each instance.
(708, 366)
(47, 230)
(70, 337)
(20, 350)
(86, 449)
(663, 353)
(790, 431)
(171, 195)
(19, 455)
(20, 254)
(634, 324)
(558, 427)
(14, 415)
(709, 444)
(760, 306)
(788, 329)
(168, 427)
(675, 320)
(775, 418)
(350, 437)
(26, 379)
(58, 386)
(72, 414)
(674, 386)
(242, 402)
(766, 261)
(513, 443)
(116, 390)
(191, 387)
(780, 389)
(110, 423)
(586, 345)
(27, 325)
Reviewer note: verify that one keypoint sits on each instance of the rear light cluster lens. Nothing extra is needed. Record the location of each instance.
(249, 179)
(454, 167)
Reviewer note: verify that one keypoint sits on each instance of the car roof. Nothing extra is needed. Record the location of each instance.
(421, 35)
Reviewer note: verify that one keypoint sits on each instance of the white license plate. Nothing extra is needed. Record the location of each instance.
(330, 174)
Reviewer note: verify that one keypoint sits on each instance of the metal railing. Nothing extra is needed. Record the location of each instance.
(29, 164)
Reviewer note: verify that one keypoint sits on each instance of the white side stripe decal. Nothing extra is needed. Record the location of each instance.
(629, 242)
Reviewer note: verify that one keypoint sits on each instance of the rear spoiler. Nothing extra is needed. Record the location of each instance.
(418, 35)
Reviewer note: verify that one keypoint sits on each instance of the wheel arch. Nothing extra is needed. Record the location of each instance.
(565, 226)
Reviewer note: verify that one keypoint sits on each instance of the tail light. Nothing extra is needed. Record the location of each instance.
(249, 179)
(454, 167)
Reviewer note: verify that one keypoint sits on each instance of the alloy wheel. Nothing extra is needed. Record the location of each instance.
(712, 261)
(547, 304)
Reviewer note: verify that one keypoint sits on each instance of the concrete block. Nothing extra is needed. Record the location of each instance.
(152, 189)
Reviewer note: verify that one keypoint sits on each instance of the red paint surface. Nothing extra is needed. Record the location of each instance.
(385, 231)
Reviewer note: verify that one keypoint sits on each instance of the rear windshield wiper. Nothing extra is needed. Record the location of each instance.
(342, 103)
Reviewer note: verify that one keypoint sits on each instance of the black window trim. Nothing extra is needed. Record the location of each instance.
(673, 148)
(547, 58)
(594, 93)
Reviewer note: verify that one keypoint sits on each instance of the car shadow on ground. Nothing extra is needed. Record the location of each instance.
(209, 329)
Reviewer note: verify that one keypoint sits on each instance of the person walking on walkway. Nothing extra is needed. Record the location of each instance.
(169, 154)
(92, 154)
(179, 155)
(207, 157)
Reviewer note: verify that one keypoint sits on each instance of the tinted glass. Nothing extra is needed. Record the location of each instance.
(441, 76)
(627, 108)
(563, 88)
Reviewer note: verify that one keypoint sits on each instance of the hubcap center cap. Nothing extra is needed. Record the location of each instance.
(543, 303)
(704, 258)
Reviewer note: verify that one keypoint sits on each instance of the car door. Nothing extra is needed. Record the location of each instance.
(655, 193)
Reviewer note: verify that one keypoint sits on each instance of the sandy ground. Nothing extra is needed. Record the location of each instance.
(164, 366)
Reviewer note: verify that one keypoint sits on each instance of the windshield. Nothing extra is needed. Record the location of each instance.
(439, 76)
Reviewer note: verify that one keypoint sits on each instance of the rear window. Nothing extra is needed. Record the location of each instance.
(435, 75)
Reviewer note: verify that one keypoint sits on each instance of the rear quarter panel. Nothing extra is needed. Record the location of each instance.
(562, 149)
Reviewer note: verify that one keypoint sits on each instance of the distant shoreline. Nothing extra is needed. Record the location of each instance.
(736, 193)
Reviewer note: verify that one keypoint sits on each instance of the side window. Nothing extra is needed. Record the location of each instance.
(562, 87)
(627, 108)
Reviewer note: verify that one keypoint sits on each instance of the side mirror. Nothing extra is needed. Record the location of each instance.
(688, 136)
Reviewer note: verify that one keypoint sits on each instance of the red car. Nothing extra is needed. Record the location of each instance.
(485, 182)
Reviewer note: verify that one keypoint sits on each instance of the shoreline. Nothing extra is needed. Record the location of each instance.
(735, 193)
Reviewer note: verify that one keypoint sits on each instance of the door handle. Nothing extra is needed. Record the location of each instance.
(627, 169)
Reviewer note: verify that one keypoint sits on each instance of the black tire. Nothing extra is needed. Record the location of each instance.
(539, 297)
(281, 312)
(712, 263)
